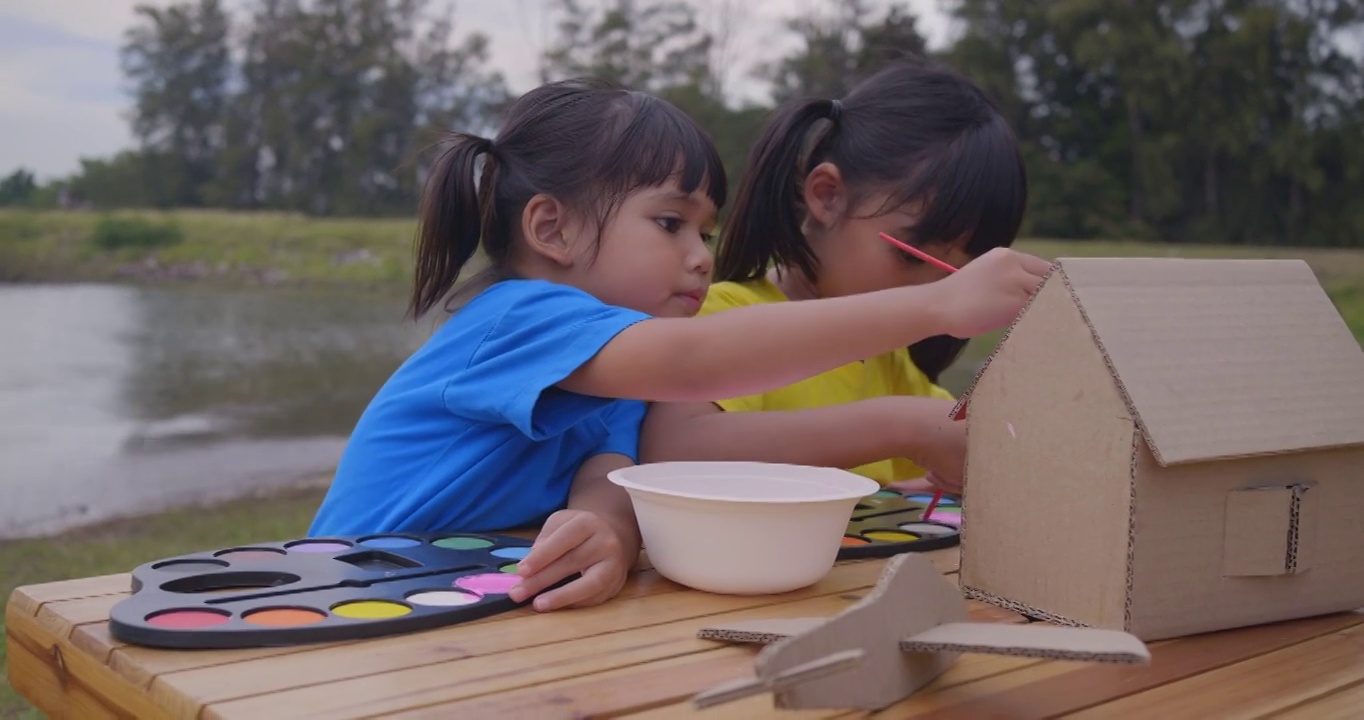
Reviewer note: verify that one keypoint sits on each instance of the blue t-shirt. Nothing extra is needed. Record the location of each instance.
(471, 434)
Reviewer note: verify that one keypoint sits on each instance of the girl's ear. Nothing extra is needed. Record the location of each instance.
(548, 231)
(825, 194)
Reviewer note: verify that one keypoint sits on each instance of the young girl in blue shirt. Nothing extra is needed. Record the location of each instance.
(592, 206)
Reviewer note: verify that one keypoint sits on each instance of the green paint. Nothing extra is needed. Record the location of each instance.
(512, 568)
(461, 543)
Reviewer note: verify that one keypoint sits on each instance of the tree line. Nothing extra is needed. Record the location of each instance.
(1233, 121)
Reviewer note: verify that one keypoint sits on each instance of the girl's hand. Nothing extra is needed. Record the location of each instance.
(574, 541)
(942, 452)
(989, 292)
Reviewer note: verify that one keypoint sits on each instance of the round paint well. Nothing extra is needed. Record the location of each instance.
(926, 499)
(928, 529)
(511, 568)
(460, 542)
(488, 583)
(189, 566)
(513, 553)
(891, 536)
(390, 541)
(187, 619)
(442, 598)
(371, 609)
(250, 554)
(850, 541)
(946, 518)
(284, 617)
(318, 546)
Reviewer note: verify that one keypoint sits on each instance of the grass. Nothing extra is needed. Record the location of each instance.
(230, 247)
(121, 545)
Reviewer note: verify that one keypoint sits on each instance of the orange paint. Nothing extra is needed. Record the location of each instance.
(852, 541)
(284, 617)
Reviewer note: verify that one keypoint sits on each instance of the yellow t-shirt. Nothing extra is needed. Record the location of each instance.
(893, 373)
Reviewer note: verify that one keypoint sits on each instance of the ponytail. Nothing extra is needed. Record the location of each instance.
(764, 228)
(452, 219)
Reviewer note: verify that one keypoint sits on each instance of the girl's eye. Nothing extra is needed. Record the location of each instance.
(669, 224)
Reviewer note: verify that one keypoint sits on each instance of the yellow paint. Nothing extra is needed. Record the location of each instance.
(371, 610)
(890, 536)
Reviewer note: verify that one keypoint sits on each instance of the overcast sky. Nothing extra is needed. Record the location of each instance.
(62, 96)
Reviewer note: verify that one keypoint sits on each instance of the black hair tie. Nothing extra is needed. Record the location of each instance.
(835, 110)
(485, 145)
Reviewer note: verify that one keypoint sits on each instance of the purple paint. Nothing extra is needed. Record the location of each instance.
(488, 583)
(318, 546)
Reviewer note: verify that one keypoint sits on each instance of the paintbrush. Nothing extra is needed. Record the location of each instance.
(916, 252)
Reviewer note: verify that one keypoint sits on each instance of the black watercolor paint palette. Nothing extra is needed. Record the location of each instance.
(318, 590)
(887, 523)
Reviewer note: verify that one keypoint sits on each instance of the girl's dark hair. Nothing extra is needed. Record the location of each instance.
(916, 131)
(589, 143)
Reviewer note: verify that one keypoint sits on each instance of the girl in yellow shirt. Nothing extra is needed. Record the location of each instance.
(916, 152)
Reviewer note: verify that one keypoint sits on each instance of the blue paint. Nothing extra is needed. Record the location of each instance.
(390, 542)
(516, 553)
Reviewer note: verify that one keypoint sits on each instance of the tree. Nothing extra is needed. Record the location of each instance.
(841, 48)
(178, 60)
(18, 188)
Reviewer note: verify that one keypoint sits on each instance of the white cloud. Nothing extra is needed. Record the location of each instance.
(63, 89)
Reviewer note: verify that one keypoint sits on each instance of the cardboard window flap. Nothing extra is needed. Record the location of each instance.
(1036, 641)
(1259, 522)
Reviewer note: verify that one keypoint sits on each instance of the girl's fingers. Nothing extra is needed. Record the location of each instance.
(551, 546)
(592, 589)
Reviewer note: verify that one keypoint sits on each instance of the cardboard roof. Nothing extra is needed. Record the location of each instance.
(1220, 358)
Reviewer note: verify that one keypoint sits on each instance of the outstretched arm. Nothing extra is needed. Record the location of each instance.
(844, 436)
(759, 348)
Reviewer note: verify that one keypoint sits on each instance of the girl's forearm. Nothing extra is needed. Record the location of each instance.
(755, 349)
(843, 436)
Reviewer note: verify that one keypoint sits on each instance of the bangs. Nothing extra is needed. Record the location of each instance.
(656, 142)
(974, 187)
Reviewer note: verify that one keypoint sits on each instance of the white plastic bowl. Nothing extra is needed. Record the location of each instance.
(742, 528)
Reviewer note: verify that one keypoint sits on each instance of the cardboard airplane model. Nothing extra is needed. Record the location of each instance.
(906, 632)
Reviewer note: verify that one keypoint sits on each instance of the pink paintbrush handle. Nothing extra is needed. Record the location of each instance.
(916, 252)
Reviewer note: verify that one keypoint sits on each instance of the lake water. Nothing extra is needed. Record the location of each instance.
(117, 400)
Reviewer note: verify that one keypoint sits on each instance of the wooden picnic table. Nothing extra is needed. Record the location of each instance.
(638, 656)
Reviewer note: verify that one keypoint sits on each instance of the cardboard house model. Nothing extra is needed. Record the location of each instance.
(1168, 447)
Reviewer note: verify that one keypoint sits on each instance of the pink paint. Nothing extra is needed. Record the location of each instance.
(187, 619)
(946, 516)
(1012, 434)
(488, 584)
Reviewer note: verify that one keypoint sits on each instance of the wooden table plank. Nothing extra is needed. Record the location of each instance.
(1343, 704)
(529, 696)
(1051, 689)
(410, 665)
(208, 684)
(1256, 687)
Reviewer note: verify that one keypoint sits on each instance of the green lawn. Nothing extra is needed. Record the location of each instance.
(237, 247)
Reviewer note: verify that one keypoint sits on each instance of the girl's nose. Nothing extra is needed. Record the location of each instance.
(700, 259)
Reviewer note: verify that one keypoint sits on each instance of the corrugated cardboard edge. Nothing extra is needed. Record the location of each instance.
(1139, 436)
(1037, 641)
(759, 632)
(1021, 608)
